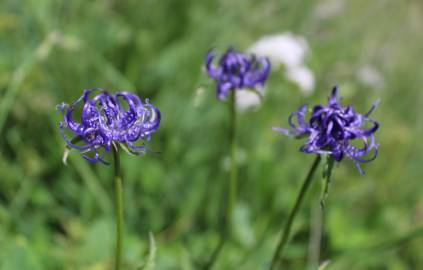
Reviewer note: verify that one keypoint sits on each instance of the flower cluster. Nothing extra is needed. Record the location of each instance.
(106, 119)
(237, 71)
(331, 129)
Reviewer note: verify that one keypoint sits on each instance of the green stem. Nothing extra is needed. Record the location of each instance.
(119, 207)
(285, 235)
(233, 180)
(226, 229)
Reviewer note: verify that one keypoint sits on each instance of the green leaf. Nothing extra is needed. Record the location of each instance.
(65, 155)
(150, 264)
(324, 265)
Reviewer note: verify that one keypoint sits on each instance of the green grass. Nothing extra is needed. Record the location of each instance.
(57, 217)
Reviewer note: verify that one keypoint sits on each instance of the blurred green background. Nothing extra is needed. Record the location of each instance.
(61, 217)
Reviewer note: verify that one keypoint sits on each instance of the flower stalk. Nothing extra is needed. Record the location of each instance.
(118, 206)
(233, 183)
(287, 230)
(234, 172)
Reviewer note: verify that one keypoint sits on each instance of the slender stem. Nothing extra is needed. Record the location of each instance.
(231, 200)
(285, 235)
(119, 207)
(233, 180)
(316, 227)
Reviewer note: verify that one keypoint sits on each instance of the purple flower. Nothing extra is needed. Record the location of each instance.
(108, 118)
(237, 71)
(332, 128)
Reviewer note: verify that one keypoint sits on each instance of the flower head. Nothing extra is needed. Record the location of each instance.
(108, 118)
(332, 128)
(237, 70)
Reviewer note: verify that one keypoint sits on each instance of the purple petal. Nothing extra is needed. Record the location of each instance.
(282, 130)
(212, 70)
(332, 99)
(223, 90)
(374, 106)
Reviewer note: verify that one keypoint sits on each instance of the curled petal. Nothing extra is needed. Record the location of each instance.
(357, 153)
(358, 166)
(332, 99)
(366, 132)
(96, 157)
(374, 106)
(136, 148)
(132, 100)
(301, 115)
(212, 70)
(302, 126)
(265, 69)
(70, 123)
(282, 130)
(153, 122)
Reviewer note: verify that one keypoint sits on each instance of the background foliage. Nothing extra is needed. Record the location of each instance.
(57, 217)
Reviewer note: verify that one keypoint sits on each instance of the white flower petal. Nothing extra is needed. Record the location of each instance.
(246, 100)
(303, 77)
(284, 48)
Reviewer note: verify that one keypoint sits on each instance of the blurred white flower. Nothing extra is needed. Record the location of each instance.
(370, 76)
(285, 48)
(288, 50)
(303, 77)
(247, 99)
